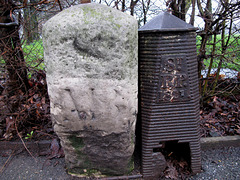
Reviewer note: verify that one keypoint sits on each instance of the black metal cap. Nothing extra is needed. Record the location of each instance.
(166, 22)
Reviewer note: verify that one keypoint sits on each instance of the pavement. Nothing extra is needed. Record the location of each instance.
(220, 161)
(220, 164)
(22, 166)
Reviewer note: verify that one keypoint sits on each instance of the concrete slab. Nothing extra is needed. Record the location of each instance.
(219, 142)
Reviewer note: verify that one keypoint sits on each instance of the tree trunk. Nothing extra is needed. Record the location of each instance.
(132, 6)
(11, 50)
(30, 27)
(178, 8)
(192, 19)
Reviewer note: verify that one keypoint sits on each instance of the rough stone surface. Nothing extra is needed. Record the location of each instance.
(91, 59)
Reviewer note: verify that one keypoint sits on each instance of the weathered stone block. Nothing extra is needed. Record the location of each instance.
(91, 57)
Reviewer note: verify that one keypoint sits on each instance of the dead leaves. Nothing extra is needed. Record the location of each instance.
(220, 117)
(32, 109)
(171, 171)
(9, 127)
(55, 150)
(176, 169)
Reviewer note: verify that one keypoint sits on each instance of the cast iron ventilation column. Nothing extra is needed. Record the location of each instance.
(169, 93)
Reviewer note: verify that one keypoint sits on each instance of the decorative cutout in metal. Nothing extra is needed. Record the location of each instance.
(169, 93)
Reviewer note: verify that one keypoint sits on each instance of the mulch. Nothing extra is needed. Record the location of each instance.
(221, 117)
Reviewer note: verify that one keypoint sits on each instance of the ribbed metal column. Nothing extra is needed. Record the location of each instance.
(168, 88)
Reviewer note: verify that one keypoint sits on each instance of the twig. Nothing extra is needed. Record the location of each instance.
(6, 162)
(52, 136)
(23, 142)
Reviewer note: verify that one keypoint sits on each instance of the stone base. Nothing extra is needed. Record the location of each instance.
(95, 124)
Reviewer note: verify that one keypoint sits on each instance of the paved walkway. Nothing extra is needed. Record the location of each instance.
(23, 166)
(218, 164)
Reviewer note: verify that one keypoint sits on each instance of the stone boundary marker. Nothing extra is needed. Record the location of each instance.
(206, 143)
(91, 55)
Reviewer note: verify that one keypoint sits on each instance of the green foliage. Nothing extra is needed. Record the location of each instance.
(29, 136)
(231, 56)
(33, 54)
(2, 61)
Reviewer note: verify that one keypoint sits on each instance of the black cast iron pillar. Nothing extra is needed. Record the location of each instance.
(169, 93)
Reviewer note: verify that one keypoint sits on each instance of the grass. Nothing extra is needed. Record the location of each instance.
(231, 57)
(33, 54)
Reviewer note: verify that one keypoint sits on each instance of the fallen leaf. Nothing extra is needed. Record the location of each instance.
(9, 124)
(171, 171)
(56, 150)
(182, 164)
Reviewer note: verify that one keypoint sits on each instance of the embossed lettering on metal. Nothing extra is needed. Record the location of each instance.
(173, 82)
